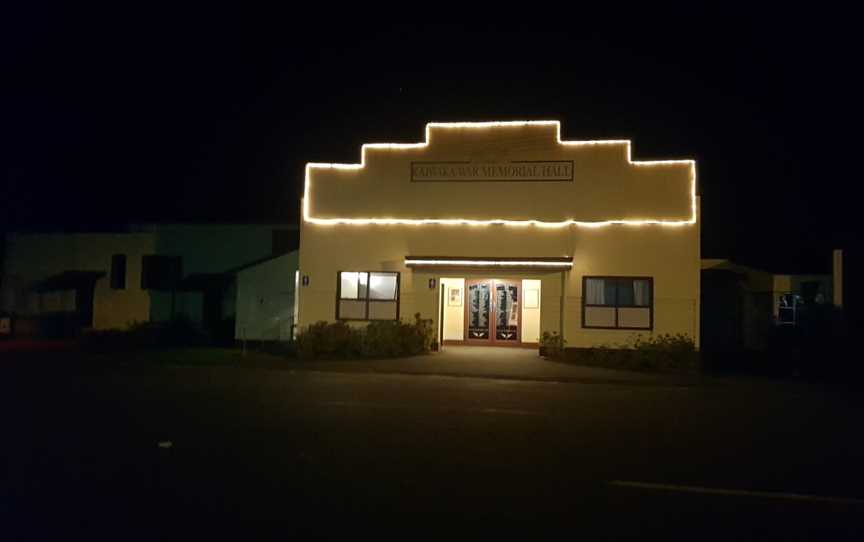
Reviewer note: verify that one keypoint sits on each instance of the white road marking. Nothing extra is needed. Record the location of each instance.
(736, 492)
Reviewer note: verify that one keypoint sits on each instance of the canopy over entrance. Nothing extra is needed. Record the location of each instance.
(492, 262)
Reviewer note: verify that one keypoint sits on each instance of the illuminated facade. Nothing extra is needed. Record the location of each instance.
(499, 232)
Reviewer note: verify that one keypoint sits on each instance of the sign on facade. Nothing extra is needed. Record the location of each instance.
(556, 170)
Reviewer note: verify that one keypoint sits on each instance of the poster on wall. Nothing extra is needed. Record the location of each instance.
(532, 299)
(455, 297)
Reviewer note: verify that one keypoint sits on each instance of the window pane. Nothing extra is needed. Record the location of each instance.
(118, 271)
(634, 318)
(595, 292)
(599, 317)
(145, 271)
(348, 284)
(352, 309)
(610, 292)
(506, 312)
(362, 282)
(642, 292)
(478, 311)
(625, 292)
(382, 310)
(382, 286)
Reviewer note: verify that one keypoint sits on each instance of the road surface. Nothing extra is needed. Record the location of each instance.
(139, 453)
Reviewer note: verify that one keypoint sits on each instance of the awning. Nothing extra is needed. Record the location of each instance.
(69, 280)
(527, 262)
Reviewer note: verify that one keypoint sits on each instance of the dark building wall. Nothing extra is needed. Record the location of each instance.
(722, 310)
(206, 250)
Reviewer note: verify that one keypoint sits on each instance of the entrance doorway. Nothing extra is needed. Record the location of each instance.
(493, 314)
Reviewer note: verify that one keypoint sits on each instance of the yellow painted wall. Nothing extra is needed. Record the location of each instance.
(669, 255)
(606, 187)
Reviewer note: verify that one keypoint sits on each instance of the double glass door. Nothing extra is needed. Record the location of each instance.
(492, 312)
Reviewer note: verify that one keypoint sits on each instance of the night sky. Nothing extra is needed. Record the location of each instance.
(112, 116)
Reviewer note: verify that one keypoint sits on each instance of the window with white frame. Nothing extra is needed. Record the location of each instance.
(618, 302)
(367, 295)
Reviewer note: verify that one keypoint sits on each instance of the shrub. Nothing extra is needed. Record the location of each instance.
(323, 340)
(383, 339)
(665, 352)
(416, 338)
(661, 353)
(552, 344)
(176, 333)
(380, 339)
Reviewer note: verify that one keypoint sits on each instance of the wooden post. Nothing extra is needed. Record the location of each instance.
(837, 277)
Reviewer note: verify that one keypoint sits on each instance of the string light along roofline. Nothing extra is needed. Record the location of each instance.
(307, 216)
